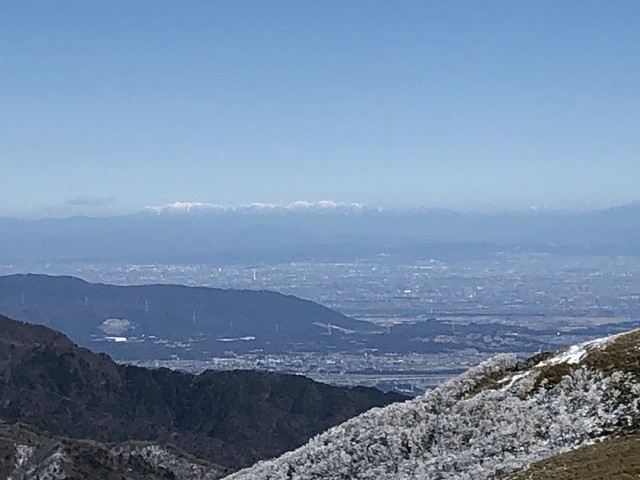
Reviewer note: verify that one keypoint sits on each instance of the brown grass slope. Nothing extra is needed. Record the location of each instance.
(614, 458)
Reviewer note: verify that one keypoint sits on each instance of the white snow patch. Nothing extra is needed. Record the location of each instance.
(186, 207)
(512, 380)
(576, 353)
(573, 355)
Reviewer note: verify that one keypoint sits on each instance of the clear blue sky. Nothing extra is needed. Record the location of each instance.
(109, 106)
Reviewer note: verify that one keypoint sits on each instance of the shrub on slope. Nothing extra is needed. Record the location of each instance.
(233, 417)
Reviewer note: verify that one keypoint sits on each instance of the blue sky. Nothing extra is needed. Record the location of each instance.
(110, 106)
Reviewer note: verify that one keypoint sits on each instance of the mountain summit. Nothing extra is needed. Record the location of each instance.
(496, 418)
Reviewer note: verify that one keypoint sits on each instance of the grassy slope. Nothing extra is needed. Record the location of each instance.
(614, 458)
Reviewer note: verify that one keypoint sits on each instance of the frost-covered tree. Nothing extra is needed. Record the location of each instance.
(490, 420)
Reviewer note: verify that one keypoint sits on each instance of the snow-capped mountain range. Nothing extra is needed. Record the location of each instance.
(199, 232)
(298, 206)
(496, 418)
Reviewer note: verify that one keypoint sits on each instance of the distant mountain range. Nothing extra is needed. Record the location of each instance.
(198, 232)
(538, 419)
(232, 418)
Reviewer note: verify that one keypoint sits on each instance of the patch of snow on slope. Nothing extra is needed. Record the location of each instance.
(576, 353)
(512, 380)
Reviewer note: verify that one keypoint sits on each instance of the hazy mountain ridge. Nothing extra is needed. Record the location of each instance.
(285, 234)
(495, 418)
(232, 418)
(162, 314)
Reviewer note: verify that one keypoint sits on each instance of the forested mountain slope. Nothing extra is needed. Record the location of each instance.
(496, 418)
(233, 418)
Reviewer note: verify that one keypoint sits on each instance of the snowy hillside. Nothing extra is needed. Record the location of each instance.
(496, 418)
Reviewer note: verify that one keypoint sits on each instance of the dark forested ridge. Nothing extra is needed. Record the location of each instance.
(158, 316)
(232, 418)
